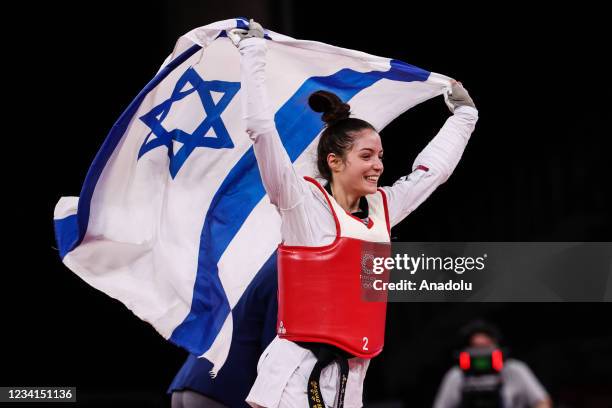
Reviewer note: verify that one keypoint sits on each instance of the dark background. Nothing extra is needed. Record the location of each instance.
(536, 170)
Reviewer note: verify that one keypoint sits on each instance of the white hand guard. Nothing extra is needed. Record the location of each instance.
(458, 96)
(238, 34)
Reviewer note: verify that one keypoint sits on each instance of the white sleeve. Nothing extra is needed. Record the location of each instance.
(433, 166)
(531, 388)
(284, 187)
(449, 393)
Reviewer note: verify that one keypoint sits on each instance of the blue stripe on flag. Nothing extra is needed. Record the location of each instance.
(66, 233)
(242, 22)
(242, 189)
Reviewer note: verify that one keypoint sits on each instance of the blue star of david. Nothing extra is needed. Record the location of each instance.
(154, 118)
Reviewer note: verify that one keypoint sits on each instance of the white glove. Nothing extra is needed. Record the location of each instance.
(239, 34)
(458, 96)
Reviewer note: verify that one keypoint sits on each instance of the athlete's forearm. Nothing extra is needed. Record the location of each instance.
(281, 182)
(444, 151)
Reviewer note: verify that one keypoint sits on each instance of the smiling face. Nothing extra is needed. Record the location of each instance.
(359, 171)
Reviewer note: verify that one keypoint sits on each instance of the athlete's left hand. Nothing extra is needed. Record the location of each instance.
(459, 96)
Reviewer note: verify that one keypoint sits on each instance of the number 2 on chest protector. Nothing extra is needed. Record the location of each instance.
(365, 344)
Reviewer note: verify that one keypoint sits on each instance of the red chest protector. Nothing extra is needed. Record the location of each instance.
(325, 293)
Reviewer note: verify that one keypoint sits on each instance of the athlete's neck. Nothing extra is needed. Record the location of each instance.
(349, 202)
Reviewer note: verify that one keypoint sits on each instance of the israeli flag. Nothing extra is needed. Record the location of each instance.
(173, 219)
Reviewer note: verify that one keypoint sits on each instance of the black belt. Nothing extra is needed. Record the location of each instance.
(326, 354)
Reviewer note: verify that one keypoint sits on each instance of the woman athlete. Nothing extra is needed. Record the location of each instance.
(326, 334)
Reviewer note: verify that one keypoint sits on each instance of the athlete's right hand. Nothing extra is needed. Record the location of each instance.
(238, 34)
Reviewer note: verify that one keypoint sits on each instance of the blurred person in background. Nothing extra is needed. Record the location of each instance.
(484, 379)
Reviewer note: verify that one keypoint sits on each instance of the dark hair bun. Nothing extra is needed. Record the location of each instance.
(331, 105)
